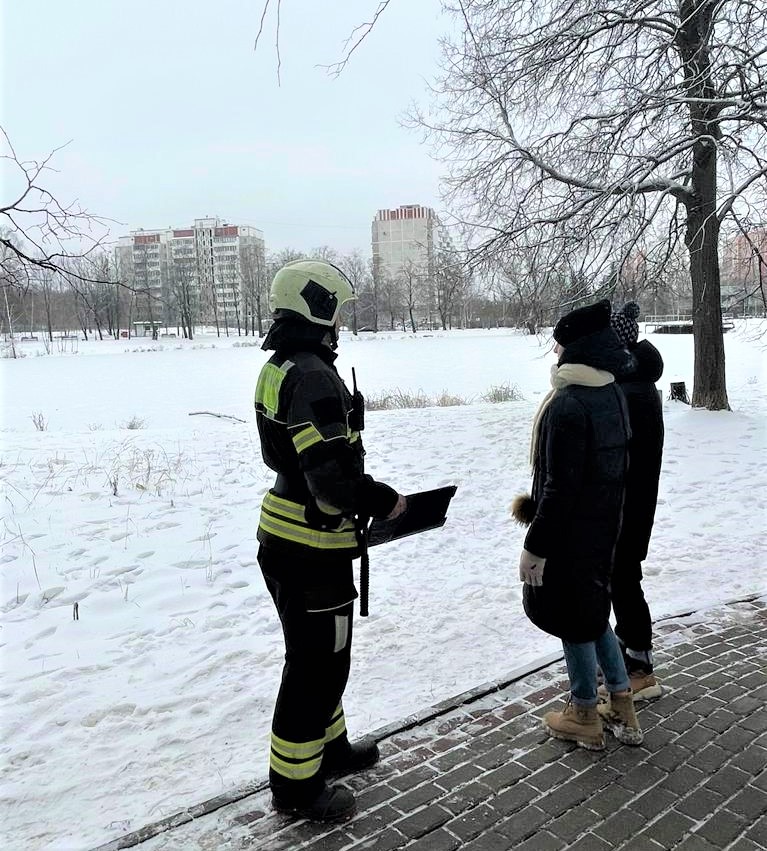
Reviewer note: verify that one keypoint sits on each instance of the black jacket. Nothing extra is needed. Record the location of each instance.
(580, 467)
(309, 437)
(645, 452)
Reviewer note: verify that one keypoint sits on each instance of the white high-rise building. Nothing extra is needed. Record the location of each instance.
(406, 240)
(207, 273)
(408, 245)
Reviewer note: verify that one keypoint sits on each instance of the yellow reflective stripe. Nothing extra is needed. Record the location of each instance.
(294, 771)
(341, 539)
(268, 386)
(336, 729)
(354, 437)
(286, 519)
(297, 750)
(305, 438)
(337, 716)
(296, 512)
(284, 507)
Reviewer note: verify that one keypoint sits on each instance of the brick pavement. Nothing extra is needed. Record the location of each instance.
(478, 774)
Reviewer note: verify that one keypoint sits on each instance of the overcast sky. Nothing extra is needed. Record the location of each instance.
(171, 115)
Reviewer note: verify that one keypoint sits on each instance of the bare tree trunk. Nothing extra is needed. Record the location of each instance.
(10, 323)
(151, 312)
(215, 309)
(709, 385)
(702, 226)
(130, 314)
(47, 305)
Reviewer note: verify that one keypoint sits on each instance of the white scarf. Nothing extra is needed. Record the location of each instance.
(561, 376)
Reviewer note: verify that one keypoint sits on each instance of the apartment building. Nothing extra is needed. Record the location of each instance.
(406, 239)
(744, 272)
(209, 273)
(407, 243)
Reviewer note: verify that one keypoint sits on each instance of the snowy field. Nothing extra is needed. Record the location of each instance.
(160, 695)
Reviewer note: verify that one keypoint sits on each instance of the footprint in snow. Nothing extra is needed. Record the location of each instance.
(118, 536)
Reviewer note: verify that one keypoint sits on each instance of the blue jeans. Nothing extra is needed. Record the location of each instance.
(581, 661)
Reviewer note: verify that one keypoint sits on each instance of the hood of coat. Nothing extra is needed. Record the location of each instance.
(601, 350)
(648, 363)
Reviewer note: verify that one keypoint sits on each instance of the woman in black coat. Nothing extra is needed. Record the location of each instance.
(579, 454)
(633, 624)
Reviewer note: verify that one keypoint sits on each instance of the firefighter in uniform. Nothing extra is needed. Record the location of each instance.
(309, 425)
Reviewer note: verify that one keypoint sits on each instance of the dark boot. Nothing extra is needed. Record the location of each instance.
(334, 803)
(341, 757)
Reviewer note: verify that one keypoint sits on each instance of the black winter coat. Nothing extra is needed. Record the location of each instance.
(578, 482)
(645, 452)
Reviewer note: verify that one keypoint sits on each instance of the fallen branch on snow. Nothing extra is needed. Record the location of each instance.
(214, 414)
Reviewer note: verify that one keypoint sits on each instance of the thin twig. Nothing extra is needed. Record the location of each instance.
(337, 68)
(214, 414)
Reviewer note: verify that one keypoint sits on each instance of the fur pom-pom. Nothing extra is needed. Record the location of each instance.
(522, 509)
(630, 309)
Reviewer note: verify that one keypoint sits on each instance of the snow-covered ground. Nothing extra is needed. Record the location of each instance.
(160, 695)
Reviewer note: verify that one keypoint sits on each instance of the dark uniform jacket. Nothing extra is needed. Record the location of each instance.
(309, 437)
(645, 452)
(580, 466)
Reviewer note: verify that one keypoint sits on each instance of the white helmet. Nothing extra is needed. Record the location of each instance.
(314, 289)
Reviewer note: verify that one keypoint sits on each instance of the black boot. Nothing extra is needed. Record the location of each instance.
(342, 757)
(334, 803)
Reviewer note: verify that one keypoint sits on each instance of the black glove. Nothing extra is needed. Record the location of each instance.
(378, 499)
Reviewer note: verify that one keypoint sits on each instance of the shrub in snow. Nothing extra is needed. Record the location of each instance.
(39, 421)
(447, 400)
(503, 393)
(397, 399)
(8, 350)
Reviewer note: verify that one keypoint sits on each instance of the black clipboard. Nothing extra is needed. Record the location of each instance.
(425, 510)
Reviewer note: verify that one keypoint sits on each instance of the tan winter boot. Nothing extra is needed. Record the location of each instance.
(619, 716)
(579, 724)
(644, 686)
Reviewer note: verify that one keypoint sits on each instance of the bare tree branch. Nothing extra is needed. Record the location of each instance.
(38, 228)
(355, 39)
(214, 414)
(276, 34)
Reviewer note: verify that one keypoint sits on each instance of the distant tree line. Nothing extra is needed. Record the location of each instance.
(52, 289)
(87, 297)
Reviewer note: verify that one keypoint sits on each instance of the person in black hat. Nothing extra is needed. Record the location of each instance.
(579, 458)
(633, 624)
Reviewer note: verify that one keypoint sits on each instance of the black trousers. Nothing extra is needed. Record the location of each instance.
(633, 624)
(314, 600)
